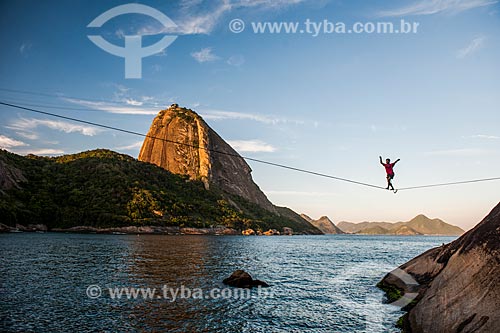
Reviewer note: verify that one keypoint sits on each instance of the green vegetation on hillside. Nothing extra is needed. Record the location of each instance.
(102, 188)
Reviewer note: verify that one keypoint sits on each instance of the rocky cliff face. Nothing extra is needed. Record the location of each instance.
(188, 146)
(10, 176)
(459, 283)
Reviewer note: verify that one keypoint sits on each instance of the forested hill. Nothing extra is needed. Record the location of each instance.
(102, 188)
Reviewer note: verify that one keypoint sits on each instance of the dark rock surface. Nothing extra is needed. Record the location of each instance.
(10, 176)
(23, 228)
(241, 279)
(459, 283)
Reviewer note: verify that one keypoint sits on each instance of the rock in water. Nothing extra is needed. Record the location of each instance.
(196, 154)
(459, 283)
(242, 279)
(287, 231)
(248, 232)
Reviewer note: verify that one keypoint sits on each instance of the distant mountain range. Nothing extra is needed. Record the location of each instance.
(419, 225)
(324, 224)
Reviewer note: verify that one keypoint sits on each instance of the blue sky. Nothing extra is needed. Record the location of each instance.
(331, 103)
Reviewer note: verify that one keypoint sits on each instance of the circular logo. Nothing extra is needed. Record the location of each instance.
(93, 291)
(236, 26)
(133, 52)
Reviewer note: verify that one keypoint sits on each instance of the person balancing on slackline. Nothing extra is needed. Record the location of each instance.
(389, 169)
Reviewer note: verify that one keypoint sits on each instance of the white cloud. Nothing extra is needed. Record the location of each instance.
(201, 17)
(236, 60)
(25, 47)
(16, 146)
(147, 98)
(28, 135)
(206, 114)
(112, 108)
(204, 22)
(6, 142)
(473, 46)
(226, 115)
(482, 136)
(41, 151)
(132, 146)
(120, 33)
(429, 7)
(121, 92)
(131, 101)
(28, 124)
(253, 146)
(204, 55)
(121, 95)
(463, 152)
(121, 88)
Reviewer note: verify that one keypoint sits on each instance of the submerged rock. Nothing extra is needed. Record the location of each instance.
(241, 279)
(459, 283)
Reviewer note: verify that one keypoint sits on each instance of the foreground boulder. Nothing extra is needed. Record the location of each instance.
(459, 283)
(241, 279)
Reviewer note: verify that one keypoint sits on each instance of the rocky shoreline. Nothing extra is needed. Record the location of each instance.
(458, 285)
(146, 230)
(123, 230)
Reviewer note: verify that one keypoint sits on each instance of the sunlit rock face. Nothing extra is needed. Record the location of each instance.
(180, 141)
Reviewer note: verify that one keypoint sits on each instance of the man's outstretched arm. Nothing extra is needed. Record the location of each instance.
(397, 160)
(380, 157)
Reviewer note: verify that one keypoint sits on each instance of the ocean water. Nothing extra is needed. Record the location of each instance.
(318, 283)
